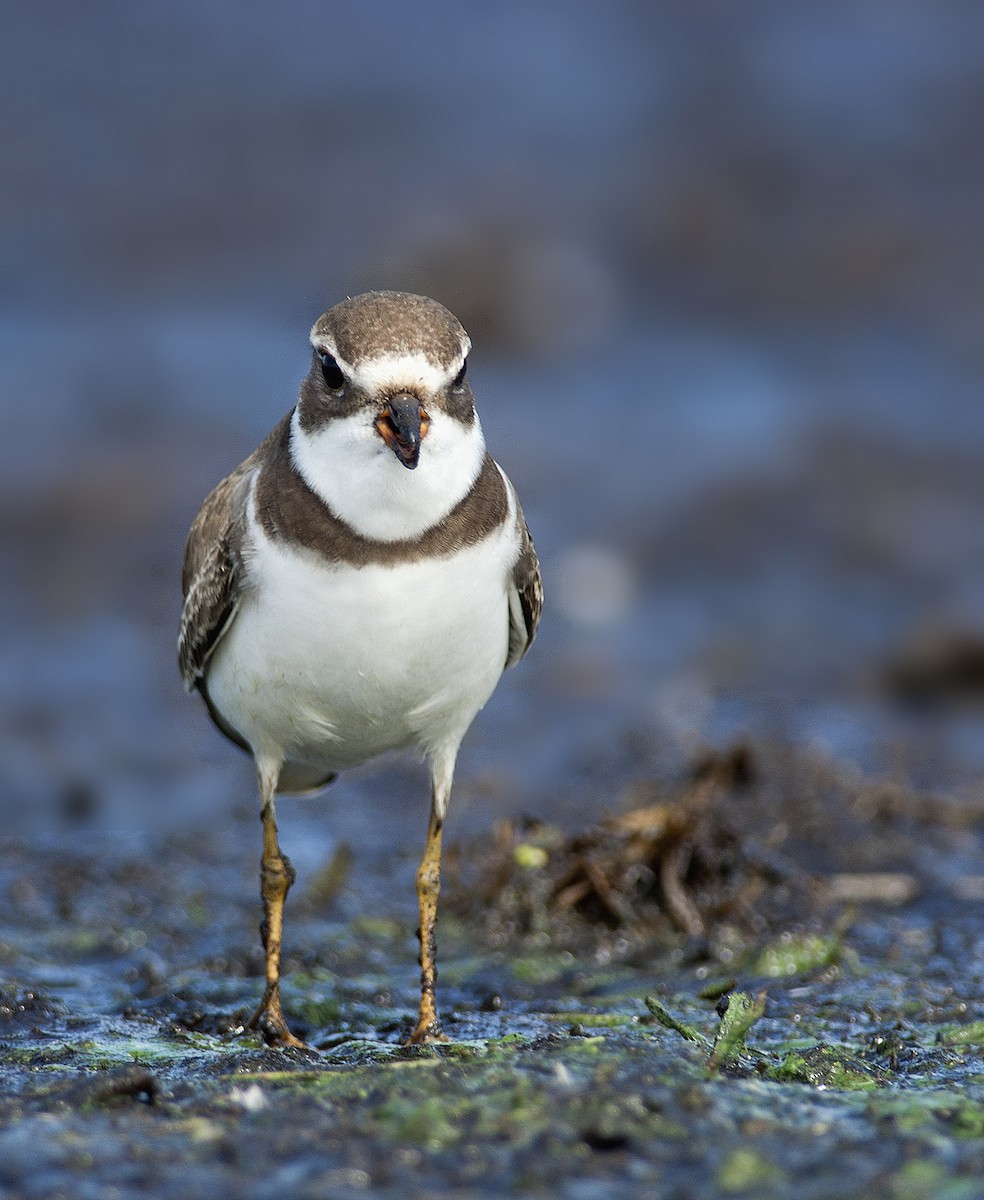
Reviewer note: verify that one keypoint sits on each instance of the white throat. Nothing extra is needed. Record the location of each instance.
(355, 473)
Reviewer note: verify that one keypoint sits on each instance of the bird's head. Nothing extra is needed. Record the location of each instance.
(387, 395)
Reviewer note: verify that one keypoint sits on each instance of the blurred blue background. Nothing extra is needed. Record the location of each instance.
(723, 267)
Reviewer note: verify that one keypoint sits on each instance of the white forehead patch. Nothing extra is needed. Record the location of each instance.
(401, 372)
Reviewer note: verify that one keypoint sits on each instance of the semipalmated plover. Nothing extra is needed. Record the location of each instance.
(359, 584)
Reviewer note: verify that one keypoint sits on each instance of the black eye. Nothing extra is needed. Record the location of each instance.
(331, 372)
(459, 379)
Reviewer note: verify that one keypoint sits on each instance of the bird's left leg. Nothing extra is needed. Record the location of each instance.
(428, 891)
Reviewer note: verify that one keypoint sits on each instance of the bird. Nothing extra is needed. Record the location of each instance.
(358, 585)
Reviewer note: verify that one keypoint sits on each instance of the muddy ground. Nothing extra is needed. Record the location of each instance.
(596, 935)
(130, 969)
(711, 924)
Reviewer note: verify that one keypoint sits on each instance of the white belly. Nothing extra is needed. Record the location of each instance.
(328, 665)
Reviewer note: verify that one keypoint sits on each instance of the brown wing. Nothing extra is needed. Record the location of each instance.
(211, 578)
(525, 595)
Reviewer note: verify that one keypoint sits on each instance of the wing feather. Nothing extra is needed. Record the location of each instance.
(525, 594)
(212, 575)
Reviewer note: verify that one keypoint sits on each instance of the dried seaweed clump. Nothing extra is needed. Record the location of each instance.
(675, 864)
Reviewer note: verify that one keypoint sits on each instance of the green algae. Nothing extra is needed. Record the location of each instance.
(795, 954)
(971, 1035)
(669, 1021)
(613, 1020)
(918, 1179)
(739, 1016)
(818, 1065)
(825, 1067)
(541, 969)
(746, 1170)
(318, 1012)
(728, 1044)
(934, 1111)
(714, 989)
(385, 930)
(419, 1121)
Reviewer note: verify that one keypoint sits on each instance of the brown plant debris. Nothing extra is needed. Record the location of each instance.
(676, 862)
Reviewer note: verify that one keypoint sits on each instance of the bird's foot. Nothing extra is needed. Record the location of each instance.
(268, 1021)
(426, 1031)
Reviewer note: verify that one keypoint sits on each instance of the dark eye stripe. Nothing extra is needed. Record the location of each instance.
(331, 372)
(459, 379)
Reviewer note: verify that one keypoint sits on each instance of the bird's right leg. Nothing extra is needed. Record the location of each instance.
(276, 876)
(428, 892)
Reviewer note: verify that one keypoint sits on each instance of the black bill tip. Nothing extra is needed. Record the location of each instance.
(402, 425)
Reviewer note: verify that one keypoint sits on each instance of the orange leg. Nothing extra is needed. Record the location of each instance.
(428, 891)
(276, 876)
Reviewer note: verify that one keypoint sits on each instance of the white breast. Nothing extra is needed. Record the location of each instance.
(328, 665)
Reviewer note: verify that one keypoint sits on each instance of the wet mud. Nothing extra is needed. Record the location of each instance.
(768, 1012)
(718, 936)
(711, 919)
